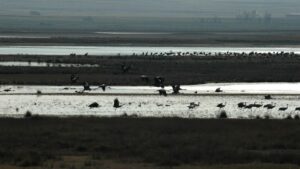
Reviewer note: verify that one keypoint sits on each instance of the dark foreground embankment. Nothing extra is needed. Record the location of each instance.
(162, 142)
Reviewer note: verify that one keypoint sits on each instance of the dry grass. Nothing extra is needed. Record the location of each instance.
(157, 142)
(85, 162)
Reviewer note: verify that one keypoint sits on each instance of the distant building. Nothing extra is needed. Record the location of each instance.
(293, 16)
(35, 13)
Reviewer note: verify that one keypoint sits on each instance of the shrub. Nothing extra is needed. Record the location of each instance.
(267, 117)
(97, 156)
(88, 163)
(289, 117)
(223, 115)
(36, 117)
(81, 148)
(124, 115)
(133, 116)
(38, 92)
(28, 114)
(94, 105)
(28, 159)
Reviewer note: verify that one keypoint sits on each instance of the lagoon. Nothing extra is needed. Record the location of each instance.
(129, 50)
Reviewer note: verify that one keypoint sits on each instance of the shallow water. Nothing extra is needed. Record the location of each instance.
(144, 101)
(126, 50)
(204, 89)
(145, 106)
(134, 33)
(24, 36)
(44, 64)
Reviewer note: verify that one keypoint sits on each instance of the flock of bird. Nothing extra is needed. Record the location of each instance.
(159, 82)
(220, 54)
(202, 53)
(244, 105)
(193, 105)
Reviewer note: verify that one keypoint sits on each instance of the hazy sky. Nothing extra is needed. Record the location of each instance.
(149, 8)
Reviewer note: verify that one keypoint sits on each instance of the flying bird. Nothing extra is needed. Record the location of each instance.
(74, 78)
(176, 89)
(103, 87)
(86, 86)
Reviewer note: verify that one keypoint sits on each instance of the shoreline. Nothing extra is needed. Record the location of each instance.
(206, 89)
(202, 38)
(142, 51)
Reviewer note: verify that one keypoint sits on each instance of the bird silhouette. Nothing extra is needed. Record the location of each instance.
(125, 68)
(145, 78)
(193, 105)
(218, 90)
(162, 91)
(221, 105)
(176, 89)
(74, 78)
(159, 81)
(94, 105)
(268, 97)
(249, 106)
(241, 104)
(86, 86)
(283, 108)
(269, 106)
(257, 105)
(103, 87)
(117, 103)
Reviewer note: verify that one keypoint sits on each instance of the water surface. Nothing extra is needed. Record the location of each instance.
(129, 50)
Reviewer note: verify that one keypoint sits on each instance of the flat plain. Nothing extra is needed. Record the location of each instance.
(129, 142)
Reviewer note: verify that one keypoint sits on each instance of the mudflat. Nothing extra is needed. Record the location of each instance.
(200, 38)
(175, 69)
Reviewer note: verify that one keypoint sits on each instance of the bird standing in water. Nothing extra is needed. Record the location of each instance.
(117, 103)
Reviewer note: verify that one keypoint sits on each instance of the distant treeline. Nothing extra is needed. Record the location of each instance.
(244, 22)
